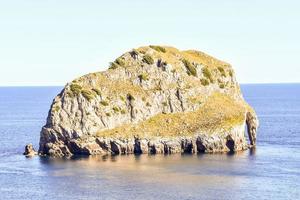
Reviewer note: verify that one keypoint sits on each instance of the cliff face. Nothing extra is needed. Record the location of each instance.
(151, 100)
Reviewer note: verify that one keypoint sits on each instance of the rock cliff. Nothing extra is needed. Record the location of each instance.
(152, 99)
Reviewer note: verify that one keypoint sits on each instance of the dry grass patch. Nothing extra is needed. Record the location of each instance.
(218, 112)
(203, 58)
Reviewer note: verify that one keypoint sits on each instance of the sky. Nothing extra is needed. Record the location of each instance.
(52, 42)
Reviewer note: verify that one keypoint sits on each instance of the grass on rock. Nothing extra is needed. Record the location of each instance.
(104, 103)
(88, 94)
(97, 91)
(191, 69)
(148, 59)
(207, 74)
(143, 77)
(218, 112)
(75, 88)
(158, 48)
(204, 82)
(222, 71)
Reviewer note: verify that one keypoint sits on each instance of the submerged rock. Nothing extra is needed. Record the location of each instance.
(151, 100)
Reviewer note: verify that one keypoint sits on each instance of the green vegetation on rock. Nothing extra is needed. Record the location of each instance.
(148, 59)
(88, 94)
(120, 61)
(116, 109)
(204, 82)
(191, 69)
(222, 71)
(56, 108)
(144, 77)
(104, 103)
(97, 91)
(158, 48)
(75, 88)
(207, 74)
(122, 98)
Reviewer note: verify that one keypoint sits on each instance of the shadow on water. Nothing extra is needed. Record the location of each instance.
(252, 151)
(231, 153)
(147, 158)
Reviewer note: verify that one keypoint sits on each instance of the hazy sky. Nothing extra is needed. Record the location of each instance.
(48, 42)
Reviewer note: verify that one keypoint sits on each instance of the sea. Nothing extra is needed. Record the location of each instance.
(270, 171)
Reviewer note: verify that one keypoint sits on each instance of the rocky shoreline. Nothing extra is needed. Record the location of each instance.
(232, 141)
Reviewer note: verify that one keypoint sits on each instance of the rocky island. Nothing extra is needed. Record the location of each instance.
(153, 99)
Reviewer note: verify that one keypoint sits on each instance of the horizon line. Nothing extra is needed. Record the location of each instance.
(275, 83)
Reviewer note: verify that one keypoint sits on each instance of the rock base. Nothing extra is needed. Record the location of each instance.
(202, 143)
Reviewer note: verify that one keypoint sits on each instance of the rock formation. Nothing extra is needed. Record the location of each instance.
(151, 100)
(29, 151)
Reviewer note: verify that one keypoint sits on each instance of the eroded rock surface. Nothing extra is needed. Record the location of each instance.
(151, 100)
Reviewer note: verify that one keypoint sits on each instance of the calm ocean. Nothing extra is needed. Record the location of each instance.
(271, 171)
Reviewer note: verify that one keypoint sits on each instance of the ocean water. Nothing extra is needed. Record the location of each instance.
(271, 171)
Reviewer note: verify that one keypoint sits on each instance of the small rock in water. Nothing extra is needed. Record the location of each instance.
(29, 150)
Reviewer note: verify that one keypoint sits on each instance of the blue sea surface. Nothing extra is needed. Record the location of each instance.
(270, 171)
